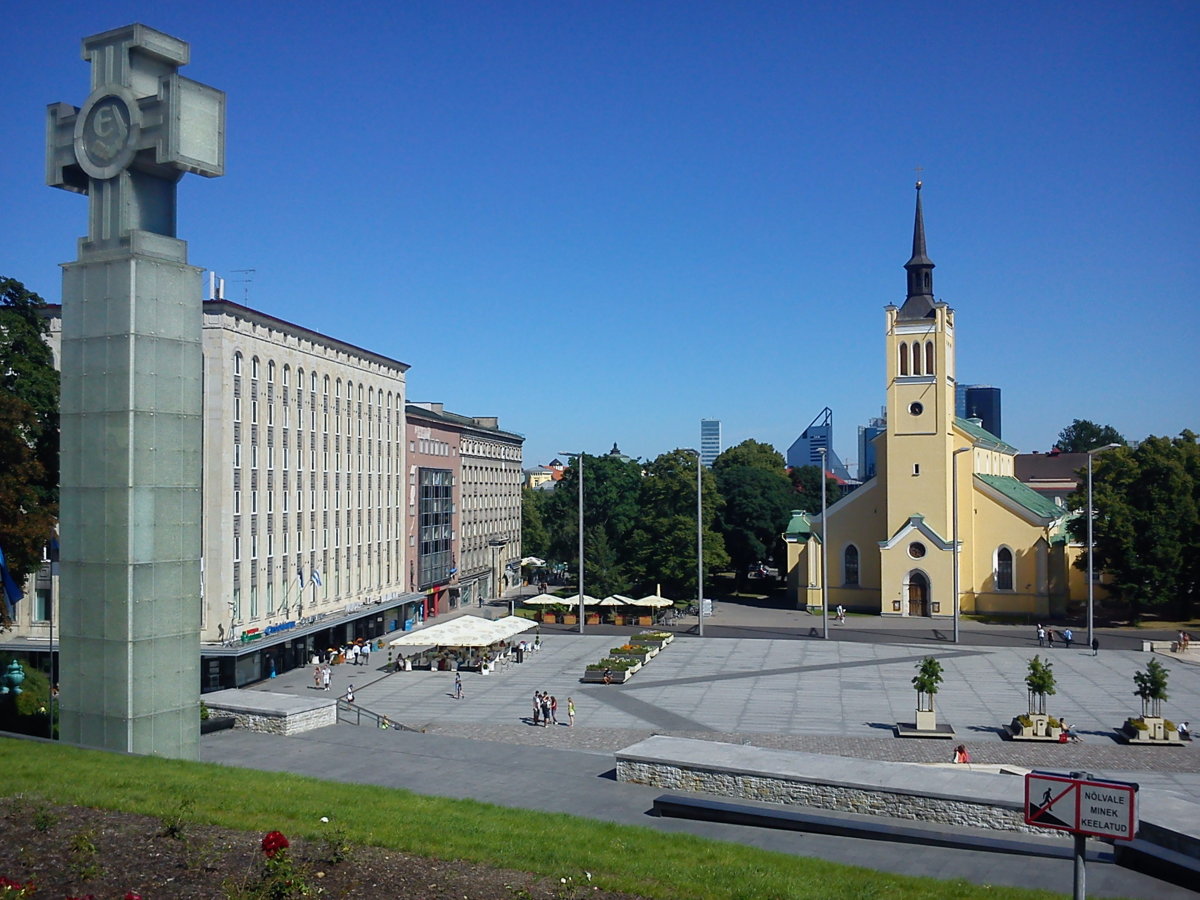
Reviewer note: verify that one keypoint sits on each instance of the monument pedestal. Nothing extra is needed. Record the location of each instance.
(130, 499)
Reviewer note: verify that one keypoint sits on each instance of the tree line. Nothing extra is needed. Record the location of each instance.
(640, 524)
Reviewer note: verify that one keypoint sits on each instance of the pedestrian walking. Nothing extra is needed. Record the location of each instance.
(1041, 635)
(554, 710)
(354, 654)
(1050, 638)
(571, 712)
(365, 653)
(317, 677)
(1095, 646)
(350, 694)
(1067, 637)
(458, 688)
(326, 676)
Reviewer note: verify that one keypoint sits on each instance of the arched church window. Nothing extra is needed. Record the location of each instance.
(1004, 569)
(850, 566)
(929, 357)
(916, 357)
(903, 358)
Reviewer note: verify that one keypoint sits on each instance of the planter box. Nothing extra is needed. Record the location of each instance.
(619, 676)
(926, 720)
(660, 642)
(645, 620)
(570, 619)
(549, 618)
(642, 658)
(1039, 729)
(593, 618)
(1155, 733)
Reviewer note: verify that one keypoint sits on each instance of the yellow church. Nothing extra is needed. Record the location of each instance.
(891, 541)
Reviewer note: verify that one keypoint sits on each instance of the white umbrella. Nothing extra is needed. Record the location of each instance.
(532, 561)
(653, 600)
(543, 600)
(614, 600)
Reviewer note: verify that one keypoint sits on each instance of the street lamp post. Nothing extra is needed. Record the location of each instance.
(579, 457)
(1091, 636)
(954, 494)
(699, 543)
(824, 553)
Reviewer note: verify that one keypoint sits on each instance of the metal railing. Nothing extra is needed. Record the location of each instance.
(353, 714)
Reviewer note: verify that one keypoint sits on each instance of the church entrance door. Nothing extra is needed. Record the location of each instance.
(918, 594)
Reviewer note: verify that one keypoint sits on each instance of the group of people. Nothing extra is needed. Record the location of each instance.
(545, 709)
(1046, 636)
(1185, 641)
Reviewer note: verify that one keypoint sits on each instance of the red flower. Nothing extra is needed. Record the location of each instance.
(273, 843)
(132, 895)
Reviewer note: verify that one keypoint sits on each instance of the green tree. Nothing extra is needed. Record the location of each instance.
(1082, 435)
(28, 429)
(1151, 687)
(1146, 527)
(751, 453)
(610, 501)
(662, 548)
(1041, 684)
(806, 487)
(757, 504)
(602, 565)
(926, 681)
(535, 539)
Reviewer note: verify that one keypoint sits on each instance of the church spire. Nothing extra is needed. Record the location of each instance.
(919, 302)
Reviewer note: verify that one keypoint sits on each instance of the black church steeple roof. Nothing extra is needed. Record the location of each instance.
(919, 302)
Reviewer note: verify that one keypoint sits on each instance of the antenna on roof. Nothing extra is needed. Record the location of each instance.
(246, 282)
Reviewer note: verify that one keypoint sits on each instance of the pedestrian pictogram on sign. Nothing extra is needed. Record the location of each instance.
(1083, 806)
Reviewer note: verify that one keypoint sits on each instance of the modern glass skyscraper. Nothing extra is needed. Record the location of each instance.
(710, 440)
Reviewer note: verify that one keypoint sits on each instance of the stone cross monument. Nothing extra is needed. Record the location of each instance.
(132, 398)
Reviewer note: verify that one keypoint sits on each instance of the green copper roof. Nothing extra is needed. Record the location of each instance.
(798, 527)
(1024, 495)
(982, 436)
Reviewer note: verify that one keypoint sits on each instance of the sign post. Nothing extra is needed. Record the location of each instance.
(1083, 806)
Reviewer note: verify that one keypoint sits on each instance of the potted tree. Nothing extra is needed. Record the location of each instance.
(1037, 724)
(1151, 727)
(926, 682)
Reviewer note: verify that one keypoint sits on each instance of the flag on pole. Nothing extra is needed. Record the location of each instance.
(9, 587)
(316, 578)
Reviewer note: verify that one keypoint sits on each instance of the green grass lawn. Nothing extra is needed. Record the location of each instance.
(622, 858)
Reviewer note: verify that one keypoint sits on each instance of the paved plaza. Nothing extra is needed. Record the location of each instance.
(839, 697)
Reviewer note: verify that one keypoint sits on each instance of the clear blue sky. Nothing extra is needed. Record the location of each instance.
(603, 221)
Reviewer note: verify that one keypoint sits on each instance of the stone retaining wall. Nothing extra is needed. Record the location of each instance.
(827, 796)
(846, 785)
(271, 713)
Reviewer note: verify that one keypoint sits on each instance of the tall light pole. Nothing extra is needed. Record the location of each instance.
(579, 456)
(1091, 636)
(699, 542)
(824, 553)
(954, 513)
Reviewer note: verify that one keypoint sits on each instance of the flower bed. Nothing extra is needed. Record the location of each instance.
(653, 638)
(640, 652)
